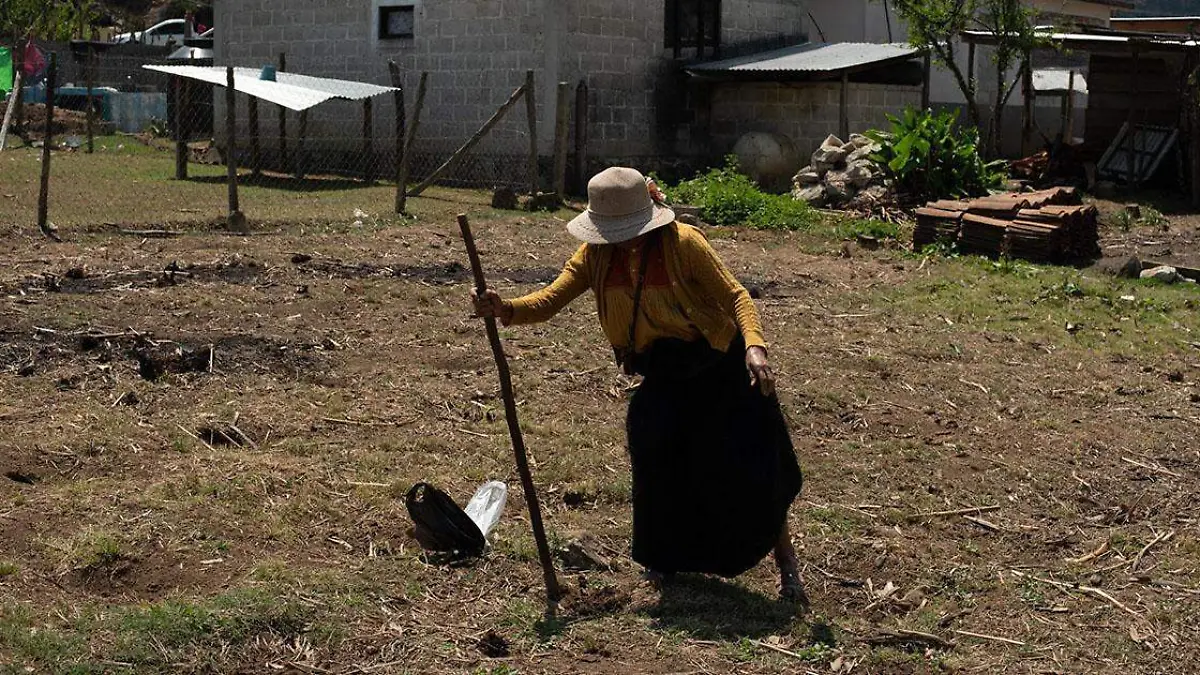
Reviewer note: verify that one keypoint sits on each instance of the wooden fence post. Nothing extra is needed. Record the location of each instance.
(181, 148)
(466, 147)
(19, 94)
(302, 136)
(13, 102)
(43, 212)
(411, 134)
(236, 220)
(531, 110)
(401, 123)
(562, 119)
(581, 123)
(255, 142)
(90, 77)
(368, 150)
(284, 161)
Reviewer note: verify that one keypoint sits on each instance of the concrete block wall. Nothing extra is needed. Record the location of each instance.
(616, 47)
(747, 20)
(477, 53)
(806, 114)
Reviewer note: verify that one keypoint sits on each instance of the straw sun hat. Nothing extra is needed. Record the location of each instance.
(619, 209)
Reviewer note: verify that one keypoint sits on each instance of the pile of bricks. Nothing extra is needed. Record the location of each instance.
(1050, 226)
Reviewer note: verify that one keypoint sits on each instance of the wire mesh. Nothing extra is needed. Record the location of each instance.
(346, 139)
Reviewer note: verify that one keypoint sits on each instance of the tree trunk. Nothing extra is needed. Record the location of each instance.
(945, 54)
(997, 131)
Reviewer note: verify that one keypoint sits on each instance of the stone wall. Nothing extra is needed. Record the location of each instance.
(806, 113)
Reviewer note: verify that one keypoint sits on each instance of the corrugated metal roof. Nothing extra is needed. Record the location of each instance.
(813, 57)
(1057, 79)
(1094, 39)
(290, 90)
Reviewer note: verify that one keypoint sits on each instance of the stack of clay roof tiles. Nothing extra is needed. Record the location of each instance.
(1050, 226)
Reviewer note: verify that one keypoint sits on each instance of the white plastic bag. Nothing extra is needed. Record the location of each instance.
(487, 505)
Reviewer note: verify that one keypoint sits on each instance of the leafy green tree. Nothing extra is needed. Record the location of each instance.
(934, 25)
(49, 20)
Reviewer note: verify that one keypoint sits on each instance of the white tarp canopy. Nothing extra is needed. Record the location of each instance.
(1058, 80)
(290, 90)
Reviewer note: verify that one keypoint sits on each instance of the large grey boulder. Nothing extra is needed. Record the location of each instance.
(813, 194)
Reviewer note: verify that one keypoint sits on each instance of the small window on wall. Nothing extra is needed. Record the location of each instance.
(692, 24)
(397, 22)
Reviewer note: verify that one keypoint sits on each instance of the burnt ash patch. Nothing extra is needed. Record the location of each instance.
(29, 352)
(79, 281)
(437, 273)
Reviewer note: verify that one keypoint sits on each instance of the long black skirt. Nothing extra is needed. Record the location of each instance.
(714, 471)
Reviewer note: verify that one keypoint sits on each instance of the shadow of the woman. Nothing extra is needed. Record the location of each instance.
(715, 609)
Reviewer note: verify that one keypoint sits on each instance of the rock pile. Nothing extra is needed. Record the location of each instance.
(842, 174)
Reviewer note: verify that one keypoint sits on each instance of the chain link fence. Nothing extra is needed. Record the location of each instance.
(106, 97)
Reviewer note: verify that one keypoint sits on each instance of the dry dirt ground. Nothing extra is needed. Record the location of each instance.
(205, 441)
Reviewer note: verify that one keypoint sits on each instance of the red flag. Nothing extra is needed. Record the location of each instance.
(34, 62)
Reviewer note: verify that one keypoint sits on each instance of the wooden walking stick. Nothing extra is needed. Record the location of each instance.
(510, 414)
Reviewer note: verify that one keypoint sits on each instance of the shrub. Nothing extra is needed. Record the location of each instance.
(725, 196)
(929, 157)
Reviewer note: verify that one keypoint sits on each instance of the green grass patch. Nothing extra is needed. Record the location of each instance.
(852, 228)
(176, 631)
(726, 196)
(1055, 305)
(129, 183)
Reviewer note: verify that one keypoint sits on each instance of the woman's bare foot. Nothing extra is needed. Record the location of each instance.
(790, 586)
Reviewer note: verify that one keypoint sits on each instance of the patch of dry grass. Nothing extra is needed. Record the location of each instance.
(913, 386)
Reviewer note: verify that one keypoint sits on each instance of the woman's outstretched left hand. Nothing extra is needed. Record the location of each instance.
(760, 370)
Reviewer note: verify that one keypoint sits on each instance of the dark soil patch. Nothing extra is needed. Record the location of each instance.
(32, 351)
(494, 645)
(146, 576)
(438, 273)
(78, 280)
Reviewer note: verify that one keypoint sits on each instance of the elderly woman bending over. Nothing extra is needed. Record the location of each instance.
(714, 471)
